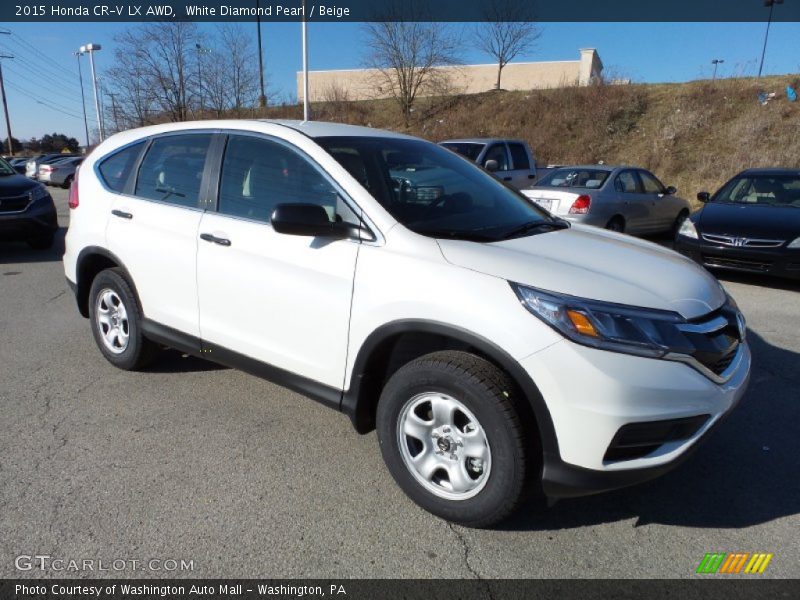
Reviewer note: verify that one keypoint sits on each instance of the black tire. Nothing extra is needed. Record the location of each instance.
(42, 242)
(139, 351)
(488, 393)
(616, 224)
(682, 216)
(67, 182)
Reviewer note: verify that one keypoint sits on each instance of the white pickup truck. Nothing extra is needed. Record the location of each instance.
(510, 160)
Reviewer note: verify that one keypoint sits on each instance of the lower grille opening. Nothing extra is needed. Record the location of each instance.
(636, 440)
(736, 263)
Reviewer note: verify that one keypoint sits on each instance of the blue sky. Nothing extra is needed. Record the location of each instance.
(645, 52)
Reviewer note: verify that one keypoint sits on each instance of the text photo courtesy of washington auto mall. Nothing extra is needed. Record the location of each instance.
(400, 299)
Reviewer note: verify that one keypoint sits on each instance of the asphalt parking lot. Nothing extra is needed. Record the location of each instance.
(197, 462)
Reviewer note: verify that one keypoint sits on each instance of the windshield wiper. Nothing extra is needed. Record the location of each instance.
(534, 226)
(454, 234)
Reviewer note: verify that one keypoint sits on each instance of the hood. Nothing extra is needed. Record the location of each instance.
(15, 185)
(595, 264)
(750, 220)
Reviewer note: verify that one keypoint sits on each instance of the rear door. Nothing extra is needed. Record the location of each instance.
(153, 228)
(522, 175)
(283, 300)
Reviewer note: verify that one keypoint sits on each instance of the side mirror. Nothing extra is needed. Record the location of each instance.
(307, 220)
(704, 196)
(671, 190)
(491, 165)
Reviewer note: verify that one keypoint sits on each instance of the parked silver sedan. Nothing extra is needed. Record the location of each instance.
(628, 199)
(60, 172)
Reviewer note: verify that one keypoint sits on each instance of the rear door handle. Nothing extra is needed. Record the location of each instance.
(208, 237)
(122, 214)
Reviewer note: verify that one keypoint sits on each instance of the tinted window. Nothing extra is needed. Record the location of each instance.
(519, 156)
(777, 190)
(498, 153)
(115, 170)
(172, 169)
(574, 178)
(469, 149)
(650, 184)
(433, 192)
(626, 183)
(257, 174)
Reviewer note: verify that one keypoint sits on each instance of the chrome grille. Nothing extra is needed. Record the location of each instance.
(741, 242)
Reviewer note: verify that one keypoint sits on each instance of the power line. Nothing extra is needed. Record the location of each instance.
(41, 101)
(51, 89)
(42, 70)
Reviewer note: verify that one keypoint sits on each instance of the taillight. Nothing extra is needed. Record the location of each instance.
(581, 205)
(73, 191)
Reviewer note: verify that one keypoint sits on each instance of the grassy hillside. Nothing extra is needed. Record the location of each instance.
(692, 135)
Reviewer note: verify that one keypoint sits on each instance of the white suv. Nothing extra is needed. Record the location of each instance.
(498, 350)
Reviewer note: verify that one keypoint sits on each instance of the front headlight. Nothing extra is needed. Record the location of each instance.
(688, 229)
(795, 243)
(39, 193)
(619, 328)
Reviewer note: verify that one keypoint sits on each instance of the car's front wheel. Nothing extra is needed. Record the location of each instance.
(453, 439)
(117, 322)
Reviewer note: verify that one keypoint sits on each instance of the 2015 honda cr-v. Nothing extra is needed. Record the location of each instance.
(496, 348)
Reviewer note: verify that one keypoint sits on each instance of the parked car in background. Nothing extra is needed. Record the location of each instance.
(498, 350)
(60, 172)
(27, 211)
(18, 163)
(624, 199)
(510, 160)
(751, 224)
(33, 164)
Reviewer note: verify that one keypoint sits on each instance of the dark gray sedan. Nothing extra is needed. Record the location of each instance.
(628, 199)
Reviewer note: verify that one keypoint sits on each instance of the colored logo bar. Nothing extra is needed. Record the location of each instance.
(734, 563)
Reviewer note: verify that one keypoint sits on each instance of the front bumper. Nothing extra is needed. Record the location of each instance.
(780, 262)
(39, 219)
(593, 394)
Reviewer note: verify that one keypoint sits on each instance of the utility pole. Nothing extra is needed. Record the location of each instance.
(83, 97)
(771, 4)
(262, 98)
(114, 111)
(5, 104)
(201, 51)
(716, 62)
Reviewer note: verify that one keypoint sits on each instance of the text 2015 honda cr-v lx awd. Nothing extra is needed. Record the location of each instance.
(498, 350)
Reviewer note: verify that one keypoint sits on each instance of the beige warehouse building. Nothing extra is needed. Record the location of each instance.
(366, 84)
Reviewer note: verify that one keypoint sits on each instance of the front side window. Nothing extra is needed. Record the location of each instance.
(434, 192)
(498, 153)
(519, 156)
(572, 177)
(775, 190)
(172, 169)
(257, 174)
(471, 150)
(116, 169)
(650, 184)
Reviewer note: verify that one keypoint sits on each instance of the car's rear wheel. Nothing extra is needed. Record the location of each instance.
(116, 320)
(616, 224)
(453, 439)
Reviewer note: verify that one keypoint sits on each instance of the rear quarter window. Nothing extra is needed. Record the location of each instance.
(116, 169)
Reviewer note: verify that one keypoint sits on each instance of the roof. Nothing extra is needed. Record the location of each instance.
(771, 171)
(317, 129)
(480, 140)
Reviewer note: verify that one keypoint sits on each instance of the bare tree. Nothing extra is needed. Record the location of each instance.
(407, 55)
(508, 32)
(242, 72)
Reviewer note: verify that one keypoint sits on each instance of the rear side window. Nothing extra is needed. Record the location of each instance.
(626, 183)
(172, 169)
(115, 169)
(519, 156)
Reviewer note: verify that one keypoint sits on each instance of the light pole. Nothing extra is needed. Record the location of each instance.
(83, 96)
(91, 49)
(262, 98)
(771, 4)
(305, 63)
(716, 62)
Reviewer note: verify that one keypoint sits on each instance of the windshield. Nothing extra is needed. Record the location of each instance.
(773, 190)
(5, 168)
(471, 150)
(572, 177)
(433, 192)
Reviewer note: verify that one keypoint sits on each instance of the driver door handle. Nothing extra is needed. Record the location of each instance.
(121, 214)
(208, 237)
